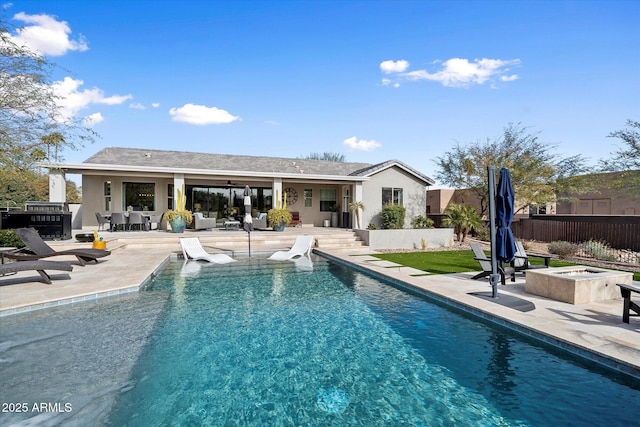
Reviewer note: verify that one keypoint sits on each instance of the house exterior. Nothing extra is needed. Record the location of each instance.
(119, 179)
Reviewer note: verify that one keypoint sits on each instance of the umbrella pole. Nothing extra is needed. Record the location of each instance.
(494, 277)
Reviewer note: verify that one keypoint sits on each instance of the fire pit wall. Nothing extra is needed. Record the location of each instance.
(576, 284)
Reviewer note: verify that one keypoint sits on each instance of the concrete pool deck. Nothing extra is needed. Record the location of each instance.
(596, 328)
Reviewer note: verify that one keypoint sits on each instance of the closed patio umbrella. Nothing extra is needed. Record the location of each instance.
(505, 199)
(248, 222)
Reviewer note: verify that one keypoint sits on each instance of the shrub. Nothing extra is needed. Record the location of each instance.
(9, 238)
(563, 249)
(393, 216)
(373, 226)
(421, 222)
(599, 250)
(483, 233)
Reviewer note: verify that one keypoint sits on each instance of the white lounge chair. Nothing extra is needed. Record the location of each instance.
(301, 247)
(191, 248)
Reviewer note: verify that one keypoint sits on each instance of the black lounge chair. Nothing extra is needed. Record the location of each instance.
(39, 266)
(485, 263)
(38, 248)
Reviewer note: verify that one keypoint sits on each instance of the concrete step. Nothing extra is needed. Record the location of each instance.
(260, 241)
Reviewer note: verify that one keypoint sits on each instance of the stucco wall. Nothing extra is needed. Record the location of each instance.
(93, 195)
(407, 238)
(414, 195)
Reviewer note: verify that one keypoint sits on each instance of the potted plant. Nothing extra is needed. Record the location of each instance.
(279, 217)
(356, 207)
(334, 215)
(180, 216)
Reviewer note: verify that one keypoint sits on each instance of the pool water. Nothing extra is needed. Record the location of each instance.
(259, 343)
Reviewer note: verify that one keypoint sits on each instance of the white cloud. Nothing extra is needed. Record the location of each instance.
(271, 122)
(155, 104)
(389, 66)
(137, 106)
(72, 99)
(454, 72)
(46, 35)
(201, 115)
(510, 78)
(459, 72)
(389, 82)
(93, 119)
(361, 145)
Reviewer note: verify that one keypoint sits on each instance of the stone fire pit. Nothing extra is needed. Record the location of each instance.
(576, 284)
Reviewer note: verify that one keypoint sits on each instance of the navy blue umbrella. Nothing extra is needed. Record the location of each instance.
(505, 200)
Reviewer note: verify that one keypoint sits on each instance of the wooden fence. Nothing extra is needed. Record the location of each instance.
(619, 231)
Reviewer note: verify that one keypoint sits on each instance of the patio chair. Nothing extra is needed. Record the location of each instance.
(192, 249)
(301, 247)
(102, 220)
(37, 265)
(119, 219)
(38, 248)
(295, 219)
(202, 223)
(485, 264)
(521, 261)
(260, 221)
(138, 220)
(157, 220)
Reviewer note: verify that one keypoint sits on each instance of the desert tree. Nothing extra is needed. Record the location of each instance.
(332, 157)
(31, 117)
(538, 174)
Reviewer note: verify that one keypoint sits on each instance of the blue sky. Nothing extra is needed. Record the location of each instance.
(374, 80)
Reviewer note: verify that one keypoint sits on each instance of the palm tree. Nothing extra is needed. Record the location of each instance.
(55, 139)
(463, 219)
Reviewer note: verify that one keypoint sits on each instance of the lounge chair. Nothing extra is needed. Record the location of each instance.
(485, 263)
(38, 248)
(521, 261)
(39, 266)
(192, 249)
(301, 247)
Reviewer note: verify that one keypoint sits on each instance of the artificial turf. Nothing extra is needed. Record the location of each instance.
(444, 262)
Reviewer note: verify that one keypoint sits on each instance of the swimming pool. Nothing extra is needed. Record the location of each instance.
(263, 343)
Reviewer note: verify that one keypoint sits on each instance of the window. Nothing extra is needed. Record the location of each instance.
(327, 199)
(308, 197)
(138, 196)
(170, 196)
(107, 195)
(391, 195)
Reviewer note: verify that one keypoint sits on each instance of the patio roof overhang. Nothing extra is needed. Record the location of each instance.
(165, 172)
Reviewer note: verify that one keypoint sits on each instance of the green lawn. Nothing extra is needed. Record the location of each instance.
(443, 262)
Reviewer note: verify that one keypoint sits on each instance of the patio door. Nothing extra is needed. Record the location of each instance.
(210, 201)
